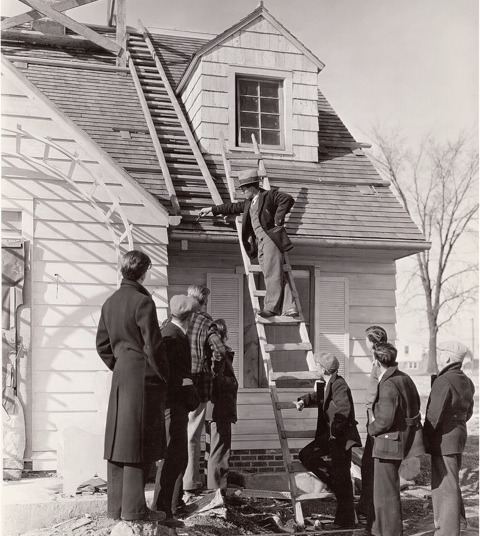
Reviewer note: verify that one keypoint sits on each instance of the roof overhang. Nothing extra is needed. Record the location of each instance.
(260, 12)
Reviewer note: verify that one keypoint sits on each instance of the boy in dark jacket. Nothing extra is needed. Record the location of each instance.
(264, 214)
(336, 435)
(449, 407)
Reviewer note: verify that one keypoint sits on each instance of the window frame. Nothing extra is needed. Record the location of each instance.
(286, 113)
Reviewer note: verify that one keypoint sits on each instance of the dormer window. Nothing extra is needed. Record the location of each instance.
(259, 111)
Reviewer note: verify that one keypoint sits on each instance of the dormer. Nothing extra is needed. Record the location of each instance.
(254, 78)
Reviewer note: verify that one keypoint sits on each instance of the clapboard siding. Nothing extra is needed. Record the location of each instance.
(257, 46)
(74, 265)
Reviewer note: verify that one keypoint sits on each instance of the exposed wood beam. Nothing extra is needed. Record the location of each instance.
(121, 21)
(75, 26)
(63, 5)
(110, 12)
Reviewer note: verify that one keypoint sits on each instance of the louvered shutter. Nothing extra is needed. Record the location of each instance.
(331, 318)
(226, 301)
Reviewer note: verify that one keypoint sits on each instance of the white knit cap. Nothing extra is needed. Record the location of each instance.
(456, 351)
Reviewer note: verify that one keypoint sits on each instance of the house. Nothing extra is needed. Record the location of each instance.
(97, 160)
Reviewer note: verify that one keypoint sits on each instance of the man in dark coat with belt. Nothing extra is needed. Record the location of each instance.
(263, 235)
(129, 342)
(449, 407)
(336, 435)
(397, 432)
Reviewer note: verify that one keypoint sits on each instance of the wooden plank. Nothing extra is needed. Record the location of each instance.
(62, 5)
(287, 347)
(75, 26)
(121, 34)
(299, 434)
(67, 359)
(64, 381)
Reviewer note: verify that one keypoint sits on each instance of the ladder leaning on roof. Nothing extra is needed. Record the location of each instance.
(291, 467)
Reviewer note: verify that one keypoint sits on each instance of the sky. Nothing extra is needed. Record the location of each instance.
(396, 64)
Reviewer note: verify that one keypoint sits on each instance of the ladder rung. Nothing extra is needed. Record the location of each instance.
(296, 466)
(255, 268)
(259, 293)
(288, 346)
(285, 405)
(284, 320)
(298, 434)
(300, 375)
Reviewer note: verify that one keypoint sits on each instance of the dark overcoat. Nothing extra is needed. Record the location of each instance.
(449, 407)
(397, 425)
(225, 389)
(273, 206)
(338, 413)
(129, 342)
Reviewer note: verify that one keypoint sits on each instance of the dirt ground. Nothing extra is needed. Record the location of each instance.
(266, 516)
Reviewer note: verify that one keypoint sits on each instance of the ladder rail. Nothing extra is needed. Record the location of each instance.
(181, 117)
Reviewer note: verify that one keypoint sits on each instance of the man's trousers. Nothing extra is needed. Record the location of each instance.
(448, 509)
(365, 504)
(386, 498)
(219, 441)
(279, 297)
(192, 479)
(176, 419)
(126, 489)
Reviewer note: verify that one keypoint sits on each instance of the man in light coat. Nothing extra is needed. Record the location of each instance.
(449, 407)
(130, 344)
(397, 432)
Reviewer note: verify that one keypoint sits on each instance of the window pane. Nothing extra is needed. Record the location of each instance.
(248, 87)
(248, 119)
(269, 105)
(246, 134)
(248, 104)
(270, 121)
(270, 137)
(269, 89)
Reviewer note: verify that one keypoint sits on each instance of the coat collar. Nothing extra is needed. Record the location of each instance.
(456, 365)
(389, 372)
(328, 390)
(135, 285)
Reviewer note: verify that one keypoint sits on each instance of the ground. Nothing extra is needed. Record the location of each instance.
(266, 516)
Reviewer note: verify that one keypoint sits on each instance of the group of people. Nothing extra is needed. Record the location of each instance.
(394, 433)
(169, 382)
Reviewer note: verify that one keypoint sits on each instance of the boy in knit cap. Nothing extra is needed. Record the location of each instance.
(449, 407)
(336, 435)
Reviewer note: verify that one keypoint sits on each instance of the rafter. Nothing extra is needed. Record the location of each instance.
(75, 26)
(63, 5)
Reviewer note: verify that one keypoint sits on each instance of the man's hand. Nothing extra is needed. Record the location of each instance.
(278, 223)
(205, 212)
(300, 404)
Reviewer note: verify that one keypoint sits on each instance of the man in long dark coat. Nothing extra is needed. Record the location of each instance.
(263, 235)
(397, 430)
(336, 435)
(129, 342)
(449, 407)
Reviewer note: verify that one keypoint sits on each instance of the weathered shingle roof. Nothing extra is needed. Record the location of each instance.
(329, 203)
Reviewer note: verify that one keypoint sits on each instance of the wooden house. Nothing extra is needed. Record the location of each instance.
(102, 155)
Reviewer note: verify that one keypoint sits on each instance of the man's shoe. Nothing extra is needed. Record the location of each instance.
(290, 312)
(336, 526)
(172, 522)
(266, 314)
(154, 515)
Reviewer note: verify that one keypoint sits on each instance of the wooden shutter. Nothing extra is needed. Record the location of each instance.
(226, 301)
(331, 319)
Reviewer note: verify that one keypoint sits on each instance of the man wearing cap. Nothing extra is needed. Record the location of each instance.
(181, 399)
(263, 212)
(335, 436)
(449, 407)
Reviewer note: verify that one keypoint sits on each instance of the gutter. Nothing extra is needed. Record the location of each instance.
(178, 235)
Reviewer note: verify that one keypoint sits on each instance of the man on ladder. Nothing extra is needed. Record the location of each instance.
(263, 235)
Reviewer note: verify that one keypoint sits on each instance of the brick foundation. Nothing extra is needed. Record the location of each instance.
(256, 460)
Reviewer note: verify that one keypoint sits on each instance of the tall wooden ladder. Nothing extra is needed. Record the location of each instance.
(264, 326)
(181, 161)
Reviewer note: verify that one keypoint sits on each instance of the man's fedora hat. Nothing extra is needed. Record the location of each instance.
(248, 176)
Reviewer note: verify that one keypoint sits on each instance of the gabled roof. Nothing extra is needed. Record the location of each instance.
(260, 12)
(334, 199)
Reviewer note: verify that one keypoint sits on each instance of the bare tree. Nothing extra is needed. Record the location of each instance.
(438, 186)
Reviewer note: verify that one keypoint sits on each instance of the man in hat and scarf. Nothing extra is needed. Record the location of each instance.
(335, 436)
(263, 235)
(449, 407)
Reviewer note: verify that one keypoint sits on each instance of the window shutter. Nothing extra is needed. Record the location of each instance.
(226, 301)
(331, 318)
